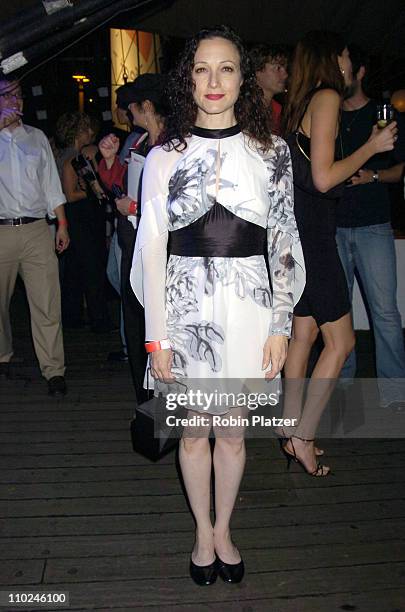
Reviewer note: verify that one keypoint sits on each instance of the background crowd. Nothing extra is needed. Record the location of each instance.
(102, 225)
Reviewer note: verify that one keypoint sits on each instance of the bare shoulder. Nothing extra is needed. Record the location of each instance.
(325, 97)
(66, 164)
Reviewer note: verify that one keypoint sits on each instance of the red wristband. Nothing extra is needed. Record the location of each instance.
(151, 347)
(132, 207)
(62, 223)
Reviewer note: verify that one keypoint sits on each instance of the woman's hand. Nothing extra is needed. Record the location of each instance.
(160, 365)
(383, 140)
(109, 146)
(274, 352)
(123, 205)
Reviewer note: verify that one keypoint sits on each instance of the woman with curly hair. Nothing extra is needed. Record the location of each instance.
(84, 263)
(216, 194)
(320, 73)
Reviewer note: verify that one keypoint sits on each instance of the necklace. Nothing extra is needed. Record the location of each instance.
(348, 127)
(355, 113)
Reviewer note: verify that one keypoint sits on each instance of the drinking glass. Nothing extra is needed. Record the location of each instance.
(385, 114)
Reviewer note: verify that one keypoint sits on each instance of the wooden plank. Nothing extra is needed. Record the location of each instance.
(65, 426)
(29, 397)
(174, 501)
(160, 543)
(337, 446)
(165, 591)
(76, 435)
(175, 566)
(67, 531)
(150, 471)
(107, 459)
(383, 600)
(21, 572)
(138, 522)
(104, 458)
(161, 486)
(60, 416)
(70, 448)
(268, 465)
(38, 448)
(115, 530)
(67, 405)
(255, 448)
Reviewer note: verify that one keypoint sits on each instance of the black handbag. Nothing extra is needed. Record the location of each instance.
(152, 437)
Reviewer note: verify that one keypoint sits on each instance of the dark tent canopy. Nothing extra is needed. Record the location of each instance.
(38, 28)
(377, 26)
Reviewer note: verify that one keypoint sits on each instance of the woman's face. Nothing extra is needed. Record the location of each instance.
(217, 80)
(85, 137)
(345, 65)
(139, 117)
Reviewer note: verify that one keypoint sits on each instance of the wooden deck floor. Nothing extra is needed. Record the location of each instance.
(80, 512)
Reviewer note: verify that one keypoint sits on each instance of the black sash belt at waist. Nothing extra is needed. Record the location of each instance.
(218, 233)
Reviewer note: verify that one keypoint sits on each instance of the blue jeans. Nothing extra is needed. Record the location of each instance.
(370, 250)
(114, 276)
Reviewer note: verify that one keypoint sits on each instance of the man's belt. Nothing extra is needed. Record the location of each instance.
(19, 220)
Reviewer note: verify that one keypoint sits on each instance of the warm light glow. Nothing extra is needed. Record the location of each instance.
(398, 100)
(132, 53)
(81, 78)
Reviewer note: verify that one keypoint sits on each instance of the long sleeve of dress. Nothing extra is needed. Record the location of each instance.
(286, 259)
(148, 273)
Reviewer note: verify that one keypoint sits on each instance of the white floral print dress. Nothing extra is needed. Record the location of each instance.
(218, 311)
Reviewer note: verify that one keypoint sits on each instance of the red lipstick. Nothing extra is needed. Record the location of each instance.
(214, 96)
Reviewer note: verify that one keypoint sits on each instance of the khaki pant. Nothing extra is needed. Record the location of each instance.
(28, 250)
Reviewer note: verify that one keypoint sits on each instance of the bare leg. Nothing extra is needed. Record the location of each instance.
(338, 340)
(195, 461)
(229, 465)
(305, 332)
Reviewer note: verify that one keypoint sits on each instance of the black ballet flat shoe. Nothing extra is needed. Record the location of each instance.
(203, 575)
(231, 572)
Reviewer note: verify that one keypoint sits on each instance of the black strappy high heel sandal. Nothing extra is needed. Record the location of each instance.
(318, 471)
(283, 439)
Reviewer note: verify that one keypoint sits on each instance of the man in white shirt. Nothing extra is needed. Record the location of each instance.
(30, 189)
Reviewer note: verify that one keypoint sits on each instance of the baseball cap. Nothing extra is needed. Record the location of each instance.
(146, 86)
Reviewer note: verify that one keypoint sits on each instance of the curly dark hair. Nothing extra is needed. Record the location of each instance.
(261, 54)
(69, 125)
(250, 110)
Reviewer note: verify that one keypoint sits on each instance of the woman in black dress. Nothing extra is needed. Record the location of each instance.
(321, 71)
(84, 265)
